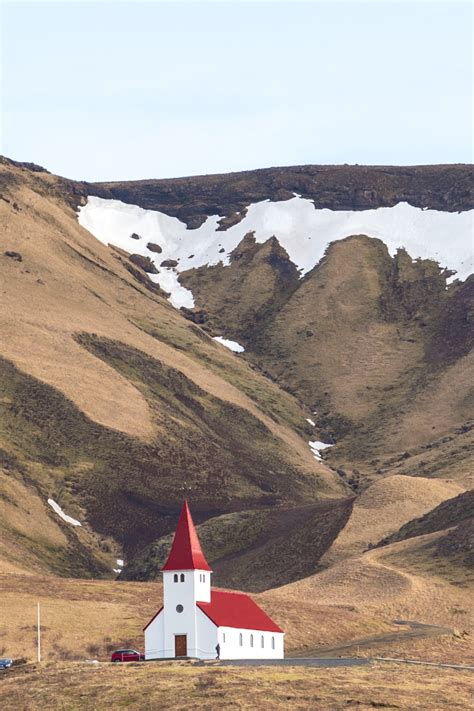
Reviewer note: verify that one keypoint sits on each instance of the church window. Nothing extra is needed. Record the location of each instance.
(262, 641)
(175, 577)
(182, 577)
(223, 636)
(251, 640)
(179, 608)
(203, 578)
(241, 641)
(273, 642)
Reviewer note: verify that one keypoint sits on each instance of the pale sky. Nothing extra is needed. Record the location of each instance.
(126, 90)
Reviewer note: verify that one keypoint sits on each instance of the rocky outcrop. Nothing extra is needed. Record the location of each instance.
(14, 255)
(241, 298)
(154, 247)
(198, 316)
(169, 263)
(459, 543)
(144, 263)
(340, 187)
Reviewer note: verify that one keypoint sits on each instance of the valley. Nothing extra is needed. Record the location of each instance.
(328, 462)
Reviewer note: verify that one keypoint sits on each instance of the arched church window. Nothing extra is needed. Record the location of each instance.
(175, 578)
(273, 642)
(182, 577)
(241, 641)
(251, 640)
(262, 641)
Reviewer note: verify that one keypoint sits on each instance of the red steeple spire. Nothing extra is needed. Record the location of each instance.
(186, 552)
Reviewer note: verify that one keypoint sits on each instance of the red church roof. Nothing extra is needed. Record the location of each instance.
(233, 609)
(186, 552)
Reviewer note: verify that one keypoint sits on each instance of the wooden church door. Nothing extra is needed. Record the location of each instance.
(180, 645)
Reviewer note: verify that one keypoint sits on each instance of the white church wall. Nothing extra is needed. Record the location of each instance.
(202, 581)
(179, 599)
(247, 644)
(154, 647)
(179, 611)
(207, 636)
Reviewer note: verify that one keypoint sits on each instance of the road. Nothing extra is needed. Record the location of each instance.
(292, 662)
(417, 629)
(329, 656)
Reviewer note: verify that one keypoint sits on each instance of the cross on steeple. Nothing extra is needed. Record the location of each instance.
(186, 552)
(186, 489)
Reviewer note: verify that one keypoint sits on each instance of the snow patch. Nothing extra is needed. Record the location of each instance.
(317, 447)
(310, 422)
(303, 231)
(56, 507)
(231, 345)
(119, 562)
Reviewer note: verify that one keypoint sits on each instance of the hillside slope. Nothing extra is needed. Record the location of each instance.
(340, 284)
(452, 512)
(117, 404)
(114, 405)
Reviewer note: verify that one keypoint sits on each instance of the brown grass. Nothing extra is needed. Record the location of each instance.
(86, 618)
(82, 287)
(182, 686)
(384, 507)
(401, 581)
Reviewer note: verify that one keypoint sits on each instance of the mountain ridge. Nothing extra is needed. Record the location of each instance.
(368, 351)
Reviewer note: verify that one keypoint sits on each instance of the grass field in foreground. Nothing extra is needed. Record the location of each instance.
(179, 685)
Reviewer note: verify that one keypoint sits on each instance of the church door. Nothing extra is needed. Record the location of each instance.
(180, 645)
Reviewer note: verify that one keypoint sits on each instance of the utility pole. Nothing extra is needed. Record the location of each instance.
(38, 624)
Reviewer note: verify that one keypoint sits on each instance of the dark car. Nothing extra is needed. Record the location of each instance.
(127, 655)
(5, 663)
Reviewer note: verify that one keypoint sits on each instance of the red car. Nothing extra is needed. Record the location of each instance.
(127, 655)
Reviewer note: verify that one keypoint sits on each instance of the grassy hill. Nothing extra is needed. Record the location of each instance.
(116, 406)
(113, 403)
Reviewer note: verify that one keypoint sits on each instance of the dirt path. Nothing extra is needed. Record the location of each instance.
(417, 629)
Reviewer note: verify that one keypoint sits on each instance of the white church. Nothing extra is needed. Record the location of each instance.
(197, 621)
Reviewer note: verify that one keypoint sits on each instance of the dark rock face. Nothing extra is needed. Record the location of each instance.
(135, 236)
(169, 263)
(195, 315)
(459, 543)
(340, 187)
(144, 263)
(242, 297)
(14, 255)
(154, 247)
(454, 334)
(33, 167)
(232, 220)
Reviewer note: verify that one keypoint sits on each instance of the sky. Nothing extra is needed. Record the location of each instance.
(117, 90)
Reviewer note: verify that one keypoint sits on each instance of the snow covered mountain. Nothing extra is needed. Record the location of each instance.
(351, 286)
(313, 344)
(303, 231)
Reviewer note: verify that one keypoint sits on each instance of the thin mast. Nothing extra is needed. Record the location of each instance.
(38, 624)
